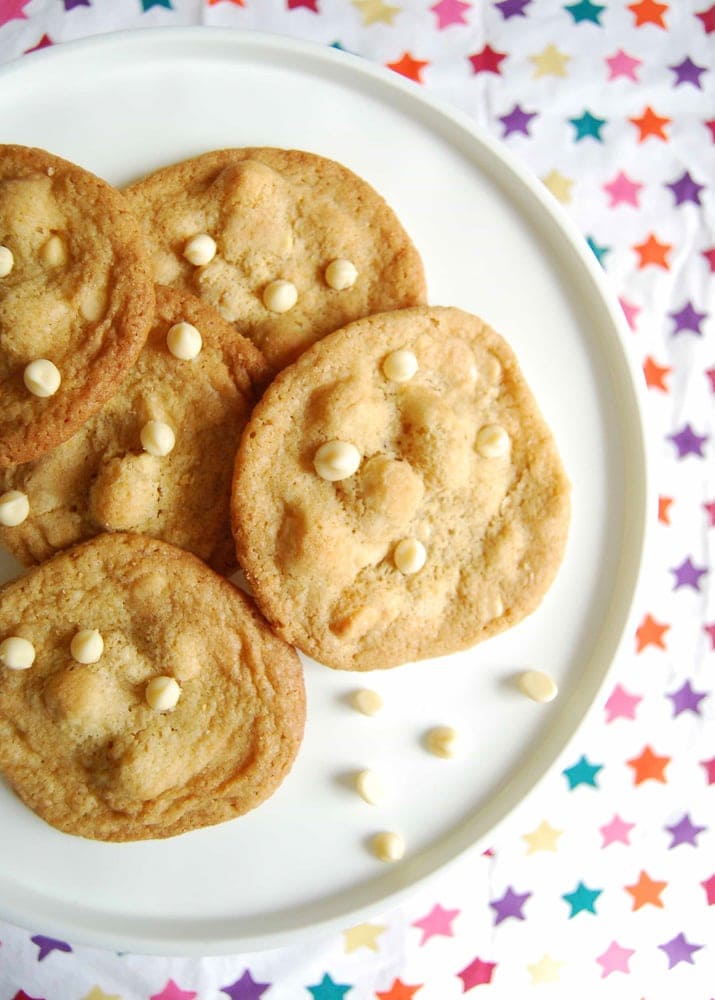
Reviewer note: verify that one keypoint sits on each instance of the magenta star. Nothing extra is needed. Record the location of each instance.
(686, 189)
(622, 190)
(173, 992)
(21, 995)
(621, 64)
(708, 19)
(450, 12)
(709, 887)
(477, 973)
(46, 945)
(245, 988)
(44, 43)
(709, 766)
(684, 832)
(688, 442)
(308, 4)
(688, 72)
(13, 10)
(437, 921)
(710, 510)
(517, 120)
(685, 699)
(688, 318)
(512, 8)
(688, 575)
(678, 950)
(710, 374)
(710, 631)
(510, 905)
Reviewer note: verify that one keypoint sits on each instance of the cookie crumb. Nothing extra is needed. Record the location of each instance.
(388, 846)
(366, 701)
(442, 741)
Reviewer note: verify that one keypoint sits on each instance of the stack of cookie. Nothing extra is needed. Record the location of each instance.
(232, 363)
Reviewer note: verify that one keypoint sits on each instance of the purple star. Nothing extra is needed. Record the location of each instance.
(46, 945)
(512, 8)
(688, 575)
(678, 950)
(517, 121)
(686, 189)
(688, 72)
(71, 4)
(688, 442)
(245, 988)
(686, 700)
(684, 832)
(510, 905)
(688, 318)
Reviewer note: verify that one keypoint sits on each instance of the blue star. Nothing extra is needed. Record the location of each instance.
(599, 251)
(148, 4)
(326, 989)
(582, 773)
(582, 899)
(588, 125)
(585, 11)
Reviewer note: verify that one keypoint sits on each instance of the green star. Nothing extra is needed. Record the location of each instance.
(600, 252)
(585, 11)
(582, 899)
(582, 773)
(326, 989)
(588, 125)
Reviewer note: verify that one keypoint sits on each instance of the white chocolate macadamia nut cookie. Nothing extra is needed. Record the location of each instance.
(76, 298)
(450, 528)
(190, 714)
(286, 244)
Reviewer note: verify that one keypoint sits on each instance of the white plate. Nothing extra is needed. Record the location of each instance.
(494, 243)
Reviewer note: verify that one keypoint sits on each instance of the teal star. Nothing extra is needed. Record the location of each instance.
(599, 251)
(585, 11)
(582, 773)
(588, 125)
(582, 899)
(329, 990)
(148, 4)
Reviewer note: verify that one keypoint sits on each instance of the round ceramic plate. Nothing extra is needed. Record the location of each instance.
(494, 243)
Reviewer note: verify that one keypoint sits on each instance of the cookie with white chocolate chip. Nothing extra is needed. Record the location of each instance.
(158, 457)
(76, 298)
(284, 243)
(440, 515)
(141, 694)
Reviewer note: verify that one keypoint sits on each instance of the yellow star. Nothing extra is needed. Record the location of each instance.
(550, 62)
(546, 970)
(96, 994)
(559, 186)
(362, 936)
(375, 10)
(543, 838)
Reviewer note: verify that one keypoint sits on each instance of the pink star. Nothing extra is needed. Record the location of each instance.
(709, 887)
(450, 12)
(623, 190)
(173, 992)
(623, 65)
(710, 511)
(710, 631)
(631, 312)
(616, 831)
(13, 10)
(437, 921)
(477, 973)
(615, 959)
(621, 704)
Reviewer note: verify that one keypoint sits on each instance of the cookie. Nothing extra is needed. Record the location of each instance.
(141, 694)
(285, 244)
(397, 494)
(158, 457)
(76, 298)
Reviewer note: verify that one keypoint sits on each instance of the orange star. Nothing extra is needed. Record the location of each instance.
(399, 991)
(409, 67)
(649, 124)
(649, 12)
(655, 374)
(645, 890)
(238, 3)
(651, 251)
(648, 767)
(664, 504)
(650, 633)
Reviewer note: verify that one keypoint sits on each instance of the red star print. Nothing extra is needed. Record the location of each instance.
(487, 61)
(708, 19)
(409, 67)
(308, 4)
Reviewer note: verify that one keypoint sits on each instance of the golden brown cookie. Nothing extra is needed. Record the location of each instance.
(76, 298)
(286, 244)
(141, 694)
(397, 494)
(191, 388)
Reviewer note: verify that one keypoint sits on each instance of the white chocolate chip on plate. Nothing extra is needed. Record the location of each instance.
(14, 508)
(280, 296)
(538, 685)
(492, 441)
(369, 787)
(388, 846)
(17, 653)
(42, 378)
(87, 646)
(336, 460)
(200, 250)
(157, 438)
(366, 701)
(341, 274)
(7, 261)
(162, 694)
(400, 366)
(409, 556)
(184, 341)
(442, 741)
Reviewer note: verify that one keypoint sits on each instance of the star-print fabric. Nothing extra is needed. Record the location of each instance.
(606, 886)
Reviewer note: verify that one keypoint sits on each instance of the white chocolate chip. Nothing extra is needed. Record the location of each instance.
(336, 460)
(17, 653)
(492, 441)
(162, 693)
(87, 646)
(53, 251)
(400, 366)
(538, 685)
(442, 741)
(42, 378)
(184, 341)
(341, 274)
(157, 438)
(409, 555)
(280, 296)
(388, 846)
(366, 701)
(7, 261)
(369, 787)
(200, 250)
(14, 508)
